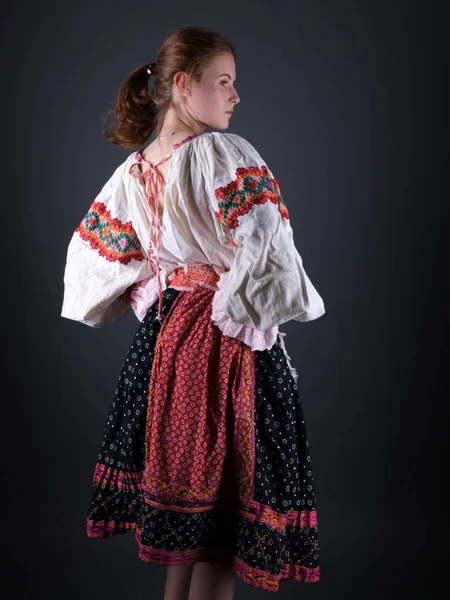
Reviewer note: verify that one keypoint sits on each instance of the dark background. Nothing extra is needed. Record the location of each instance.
(344, 101)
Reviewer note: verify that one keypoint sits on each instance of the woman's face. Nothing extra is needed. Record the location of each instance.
(211, 100)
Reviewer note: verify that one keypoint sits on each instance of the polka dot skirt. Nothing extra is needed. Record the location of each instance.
(204, 453)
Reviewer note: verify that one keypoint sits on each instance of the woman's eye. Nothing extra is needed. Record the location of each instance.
(224, 81)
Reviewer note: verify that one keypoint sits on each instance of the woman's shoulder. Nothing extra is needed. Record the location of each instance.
(224, 138)
(223, 147)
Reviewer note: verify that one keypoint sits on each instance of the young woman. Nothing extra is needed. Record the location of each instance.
(204, 454)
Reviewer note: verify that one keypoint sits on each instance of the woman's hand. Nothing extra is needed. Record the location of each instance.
(170, 276)
(217, 268)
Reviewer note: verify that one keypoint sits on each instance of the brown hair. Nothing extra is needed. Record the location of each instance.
(137, 109)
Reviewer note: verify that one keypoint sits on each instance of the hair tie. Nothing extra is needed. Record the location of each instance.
(151, 68)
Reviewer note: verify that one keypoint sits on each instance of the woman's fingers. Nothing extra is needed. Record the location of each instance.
(218, 269)
(171, 276)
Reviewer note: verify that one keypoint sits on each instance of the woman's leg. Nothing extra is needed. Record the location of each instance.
(178, 579)
(212, 582)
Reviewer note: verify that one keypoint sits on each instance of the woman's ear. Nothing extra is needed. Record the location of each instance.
(180, 83)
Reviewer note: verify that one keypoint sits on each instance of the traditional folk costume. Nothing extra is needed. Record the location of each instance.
(204, 454)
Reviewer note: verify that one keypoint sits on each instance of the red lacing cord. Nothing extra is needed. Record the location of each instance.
(151, 176)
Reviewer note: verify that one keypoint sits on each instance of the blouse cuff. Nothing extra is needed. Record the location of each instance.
(143, 295)
(255, 338)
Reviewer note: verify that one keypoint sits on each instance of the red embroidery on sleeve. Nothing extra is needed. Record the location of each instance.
(253, 185)
(114, 240)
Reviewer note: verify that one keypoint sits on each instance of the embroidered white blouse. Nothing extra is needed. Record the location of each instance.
(222, 206)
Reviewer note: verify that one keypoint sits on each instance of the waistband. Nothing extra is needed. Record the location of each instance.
(195, 275)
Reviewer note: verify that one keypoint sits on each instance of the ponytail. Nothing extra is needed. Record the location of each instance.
(134, 112)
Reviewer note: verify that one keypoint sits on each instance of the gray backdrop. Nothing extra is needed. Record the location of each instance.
(342, 101)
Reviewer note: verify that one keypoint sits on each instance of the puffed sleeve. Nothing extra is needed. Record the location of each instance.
(105, 262)
(266, 285)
